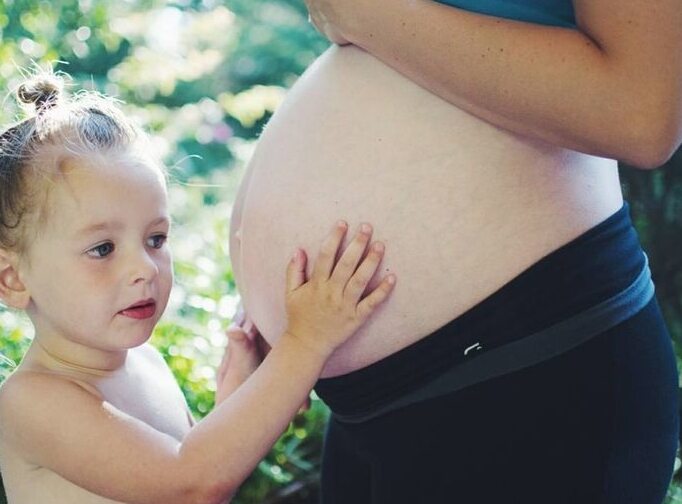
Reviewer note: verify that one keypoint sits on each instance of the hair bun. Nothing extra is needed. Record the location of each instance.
(42, 91)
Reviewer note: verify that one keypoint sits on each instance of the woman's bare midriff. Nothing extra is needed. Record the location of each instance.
(462, 206)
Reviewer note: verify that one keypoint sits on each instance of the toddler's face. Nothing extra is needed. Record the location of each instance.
(100, 273)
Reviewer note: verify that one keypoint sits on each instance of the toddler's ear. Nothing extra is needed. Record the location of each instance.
(13, 292)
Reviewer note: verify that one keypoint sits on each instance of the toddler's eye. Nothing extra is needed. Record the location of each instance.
(157, 241)
(101, 251)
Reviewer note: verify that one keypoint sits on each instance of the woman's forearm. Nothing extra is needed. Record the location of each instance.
(551, 83)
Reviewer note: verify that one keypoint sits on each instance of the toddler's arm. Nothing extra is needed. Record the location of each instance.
(56, 424)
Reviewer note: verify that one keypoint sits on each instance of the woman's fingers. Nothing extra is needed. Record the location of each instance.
(349, 260)
(296, 270)
(358, 282)
(322, 23)
(324, 264)
(376, 297)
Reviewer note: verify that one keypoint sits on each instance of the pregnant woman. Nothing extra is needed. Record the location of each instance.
(523, 358)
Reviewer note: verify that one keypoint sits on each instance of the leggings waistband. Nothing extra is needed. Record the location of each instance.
(572, 294)
(527, 351)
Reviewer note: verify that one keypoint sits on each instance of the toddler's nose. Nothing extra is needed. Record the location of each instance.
(145, 269)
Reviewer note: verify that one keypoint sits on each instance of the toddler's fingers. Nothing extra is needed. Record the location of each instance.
(240, 359)
(235, 336)
(235, 333)
(361, 278)
(350, 258)
(376, 297)
(250, 329)
(296, 270)
(241, 348)
(326, 257)
(222, 368)
(239, 315)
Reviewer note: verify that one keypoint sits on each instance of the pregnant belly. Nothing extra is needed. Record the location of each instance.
(462, 206)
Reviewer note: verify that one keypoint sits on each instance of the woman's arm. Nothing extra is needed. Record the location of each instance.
(611, 88)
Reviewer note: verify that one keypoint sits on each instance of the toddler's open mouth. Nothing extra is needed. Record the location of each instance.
(141, 310)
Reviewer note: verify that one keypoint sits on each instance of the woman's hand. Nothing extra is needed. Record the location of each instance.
(325, 15)
(329, 308)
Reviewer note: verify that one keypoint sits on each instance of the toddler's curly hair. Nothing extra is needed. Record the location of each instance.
(57, 129)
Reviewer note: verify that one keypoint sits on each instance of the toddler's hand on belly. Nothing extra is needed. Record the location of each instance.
(329, 308)
(245, 350)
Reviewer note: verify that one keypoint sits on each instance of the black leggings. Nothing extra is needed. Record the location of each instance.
(596, 424)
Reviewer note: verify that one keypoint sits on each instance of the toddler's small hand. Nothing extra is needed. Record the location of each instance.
(242, 356)
(326, 310)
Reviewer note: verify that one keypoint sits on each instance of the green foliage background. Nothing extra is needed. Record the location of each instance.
(204, 76)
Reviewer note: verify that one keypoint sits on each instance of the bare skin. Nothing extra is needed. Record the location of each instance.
(608, 87)
(507, 156)
(93, 413)
(361, 141)
(157, 401)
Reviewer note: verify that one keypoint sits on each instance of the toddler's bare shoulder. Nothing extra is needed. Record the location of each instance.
(29, 398)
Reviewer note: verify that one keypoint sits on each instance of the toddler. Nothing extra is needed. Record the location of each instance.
(93, 414)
